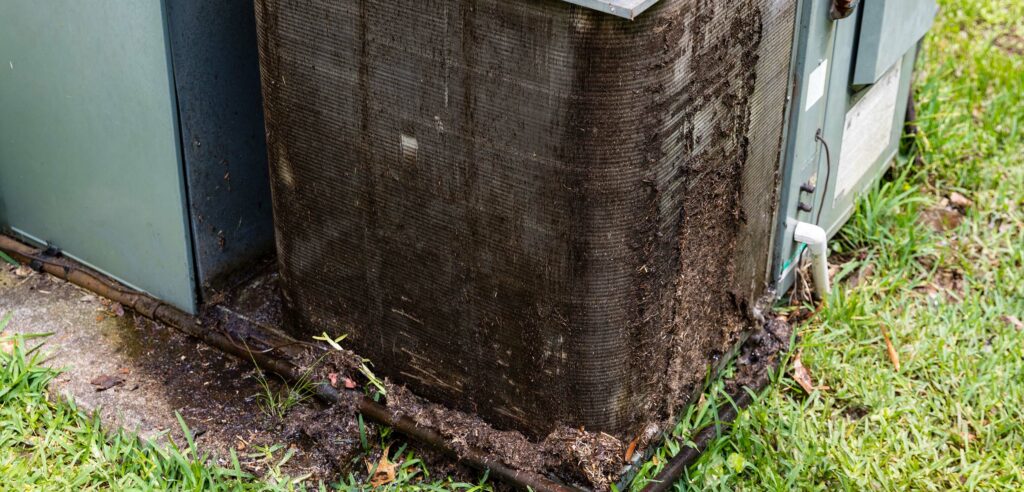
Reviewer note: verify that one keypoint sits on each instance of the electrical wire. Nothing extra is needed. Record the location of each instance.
(828, 175)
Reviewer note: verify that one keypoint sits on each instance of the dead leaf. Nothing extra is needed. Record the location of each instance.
(350, 384)
(105, 381)
(803, 376)
(1014, 322)
(385, 470)
(23, 271)
(893, 355)
(959, 201)
(100, 317)
(333, 378)
(941, 219)
(631, 448)
(862, 274)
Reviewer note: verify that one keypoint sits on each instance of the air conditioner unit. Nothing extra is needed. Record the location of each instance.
(533, 210)
(132, 138)
(852, 81)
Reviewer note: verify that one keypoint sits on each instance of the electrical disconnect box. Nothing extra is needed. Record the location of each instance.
(852, 81)
(131, 137)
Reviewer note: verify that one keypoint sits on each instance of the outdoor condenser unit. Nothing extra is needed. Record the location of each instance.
(537, 211)
(132, 138)
(852, 81)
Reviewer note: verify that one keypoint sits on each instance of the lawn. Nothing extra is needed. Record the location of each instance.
(947, 294)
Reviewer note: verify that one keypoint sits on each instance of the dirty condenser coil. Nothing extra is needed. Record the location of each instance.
(532, 210)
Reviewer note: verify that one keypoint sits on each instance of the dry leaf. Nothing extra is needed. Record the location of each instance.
(1014, 322)
(23, 271)
(631, 448)
(350, 384)
(803, 376)
(862, 274)
(333, 378)
(893, 355)
(104, 382)
(940, 219)
(385, 472)
(959, 201)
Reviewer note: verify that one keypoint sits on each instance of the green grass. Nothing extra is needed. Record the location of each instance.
(952, 416)
(52, 445)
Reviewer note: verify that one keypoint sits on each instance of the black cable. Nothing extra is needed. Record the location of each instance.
(828, 175)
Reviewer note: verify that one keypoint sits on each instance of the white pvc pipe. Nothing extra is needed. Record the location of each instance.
(816, 240)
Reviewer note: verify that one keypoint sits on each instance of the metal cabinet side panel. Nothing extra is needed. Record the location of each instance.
(888, 30)
(89, 154)
(216, 75)
(812, 65)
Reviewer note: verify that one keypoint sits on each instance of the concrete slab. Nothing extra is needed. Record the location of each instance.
(163, 372)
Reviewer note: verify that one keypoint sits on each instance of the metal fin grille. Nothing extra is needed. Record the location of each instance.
(526, 209)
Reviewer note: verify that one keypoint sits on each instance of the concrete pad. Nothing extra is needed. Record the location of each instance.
(164, 373)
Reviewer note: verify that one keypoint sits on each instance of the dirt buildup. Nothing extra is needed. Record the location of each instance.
(336, 435)
(760, 355)
(588, 458)
(591, 459)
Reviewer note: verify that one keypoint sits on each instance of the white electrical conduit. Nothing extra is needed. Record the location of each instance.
(816, 240)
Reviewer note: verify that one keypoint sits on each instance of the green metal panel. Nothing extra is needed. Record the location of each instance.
(888, 30)
(863, 128)
(89, 141)
(861, 125)
(812, 68)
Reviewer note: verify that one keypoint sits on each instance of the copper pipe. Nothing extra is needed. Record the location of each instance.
(159, 311)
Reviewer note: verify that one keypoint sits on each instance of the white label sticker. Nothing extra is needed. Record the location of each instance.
(868, 131)
(816, 84)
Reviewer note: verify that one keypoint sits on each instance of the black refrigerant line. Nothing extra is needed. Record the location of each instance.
(189, 325)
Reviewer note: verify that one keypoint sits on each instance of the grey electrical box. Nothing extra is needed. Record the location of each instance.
(852, 80)
(131, 137)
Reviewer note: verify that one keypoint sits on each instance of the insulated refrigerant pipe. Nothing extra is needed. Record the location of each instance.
(689, 454)
(187, 324)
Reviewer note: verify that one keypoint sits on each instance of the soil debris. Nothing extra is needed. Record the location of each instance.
(948, 284)
(594, 459)
(760, 354)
